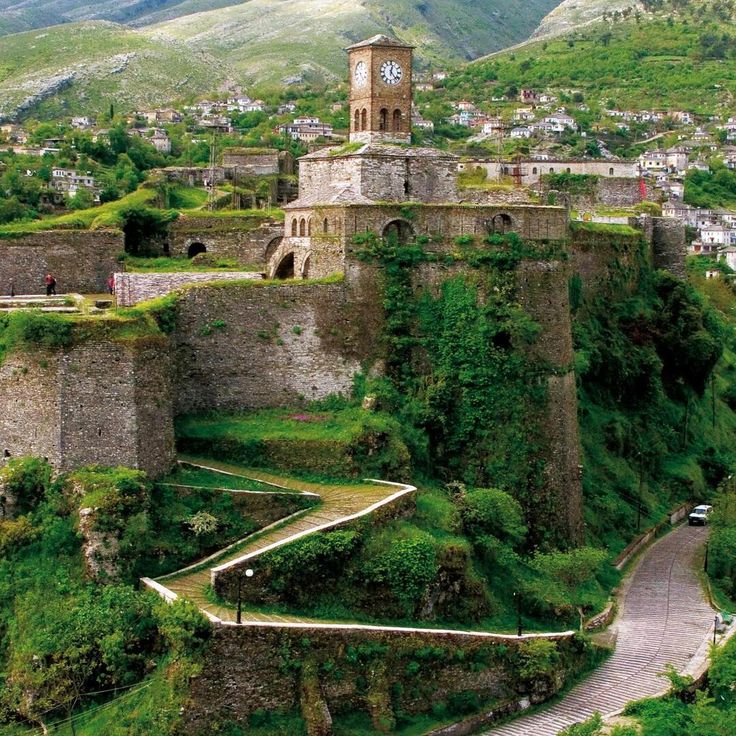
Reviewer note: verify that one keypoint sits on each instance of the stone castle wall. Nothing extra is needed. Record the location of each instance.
(251, 346)
(359, 670)
(99, 401)
(243, 239)
(80, 260)
(133, 288)
(669, 245)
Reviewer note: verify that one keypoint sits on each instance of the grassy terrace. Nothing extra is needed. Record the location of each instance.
(135, 264)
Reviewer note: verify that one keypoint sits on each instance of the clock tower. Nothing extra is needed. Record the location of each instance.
(380, 91)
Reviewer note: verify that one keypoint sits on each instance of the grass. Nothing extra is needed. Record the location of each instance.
(265, 214)
(187, 475)
(279, 424)
(162, 264)
(105, 216)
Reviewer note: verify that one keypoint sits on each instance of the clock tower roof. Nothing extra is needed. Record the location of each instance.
(380, 41)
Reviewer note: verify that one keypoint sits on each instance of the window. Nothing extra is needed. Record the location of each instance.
(383, 119)
(309, 227)
(397, 120)
(302, 228)
(364, 119)
(610, 171)
(356, 123)
(534, 170)
(325, 226)
(294, 227)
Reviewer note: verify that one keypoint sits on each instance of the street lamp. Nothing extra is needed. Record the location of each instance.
(249, 574)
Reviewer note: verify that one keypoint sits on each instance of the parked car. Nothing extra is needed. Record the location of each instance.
(699, 515)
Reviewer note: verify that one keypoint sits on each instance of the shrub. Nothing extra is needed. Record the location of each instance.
(490, 511)
(407, 568)
(25, 480)
(183, 626)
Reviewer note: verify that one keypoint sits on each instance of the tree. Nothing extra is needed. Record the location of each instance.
(572, 570)
(82, 200)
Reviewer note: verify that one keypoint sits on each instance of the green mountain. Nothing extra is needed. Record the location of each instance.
(190, 47)
(269, 39)
(87, 66)
(653, 63)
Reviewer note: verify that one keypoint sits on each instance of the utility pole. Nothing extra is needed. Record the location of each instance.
(213, 165)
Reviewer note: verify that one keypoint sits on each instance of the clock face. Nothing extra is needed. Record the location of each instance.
(391, 72)
(360, 75)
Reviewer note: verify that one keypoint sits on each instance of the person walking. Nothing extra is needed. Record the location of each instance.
(111, 283)
(50, 282)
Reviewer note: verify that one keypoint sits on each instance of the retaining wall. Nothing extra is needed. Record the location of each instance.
(80, 260)
(133, 288)
(252, 668)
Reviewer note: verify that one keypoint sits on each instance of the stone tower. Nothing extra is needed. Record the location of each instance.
(380, 91)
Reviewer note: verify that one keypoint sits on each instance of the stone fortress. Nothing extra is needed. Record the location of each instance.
(238, 345)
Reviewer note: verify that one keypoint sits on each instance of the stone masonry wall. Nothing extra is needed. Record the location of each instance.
(544, 294)
(669, 245)
(249, 669)
(244, 239)
(248, 346)
(80, 260)
(97, 402)
(133, 288)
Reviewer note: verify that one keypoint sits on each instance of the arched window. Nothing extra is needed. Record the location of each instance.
(397, 120)
(568, 170)
(610, 171)
(309, 227)
(302, 228)
(325, 226)
(551, 169)
(399, 230)
(383, 119)
(356, 122)
(534, 170)
(294, 228)
(364, 119)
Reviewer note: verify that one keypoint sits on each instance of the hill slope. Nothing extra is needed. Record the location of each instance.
(269, 40)
(653, 64)
(572, 14)
(88, 66)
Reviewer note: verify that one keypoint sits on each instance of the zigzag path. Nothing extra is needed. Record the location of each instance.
(665, 620)
(338, 502)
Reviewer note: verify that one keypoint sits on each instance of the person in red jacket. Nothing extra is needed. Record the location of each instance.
(111, 283)
(50, 282)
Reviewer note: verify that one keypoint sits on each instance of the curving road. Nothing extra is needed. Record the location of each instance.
(665, 619)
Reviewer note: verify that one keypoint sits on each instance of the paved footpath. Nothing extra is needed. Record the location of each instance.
(665, 620)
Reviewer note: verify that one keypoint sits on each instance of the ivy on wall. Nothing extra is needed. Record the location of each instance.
(459, 374)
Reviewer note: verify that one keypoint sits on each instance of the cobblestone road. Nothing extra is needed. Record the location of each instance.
(665, 620)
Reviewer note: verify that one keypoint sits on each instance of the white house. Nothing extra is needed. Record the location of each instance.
(653, 160)
(521, 132)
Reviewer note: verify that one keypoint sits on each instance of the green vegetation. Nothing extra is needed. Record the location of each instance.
(712, 189)
(64, 643)
(342, 443)
(179, 265)
(650, 64)
(651, 432)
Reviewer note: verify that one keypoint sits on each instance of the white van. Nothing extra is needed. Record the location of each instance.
(699, 515)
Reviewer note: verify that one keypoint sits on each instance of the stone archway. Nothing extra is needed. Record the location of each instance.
(500, 224)
(305, 267)
(195, 249)
(271, 248)
(285, 269)
(399, 229)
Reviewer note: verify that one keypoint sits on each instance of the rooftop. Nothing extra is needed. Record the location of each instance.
(381, 41)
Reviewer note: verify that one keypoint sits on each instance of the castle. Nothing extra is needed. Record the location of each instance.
(233, 346)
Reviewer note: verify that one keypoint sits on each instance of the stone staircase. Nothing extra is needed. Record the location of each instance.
(339, 503)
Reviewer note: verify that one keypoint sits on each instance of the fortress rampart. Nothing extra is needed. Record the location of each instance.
(80, 260)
